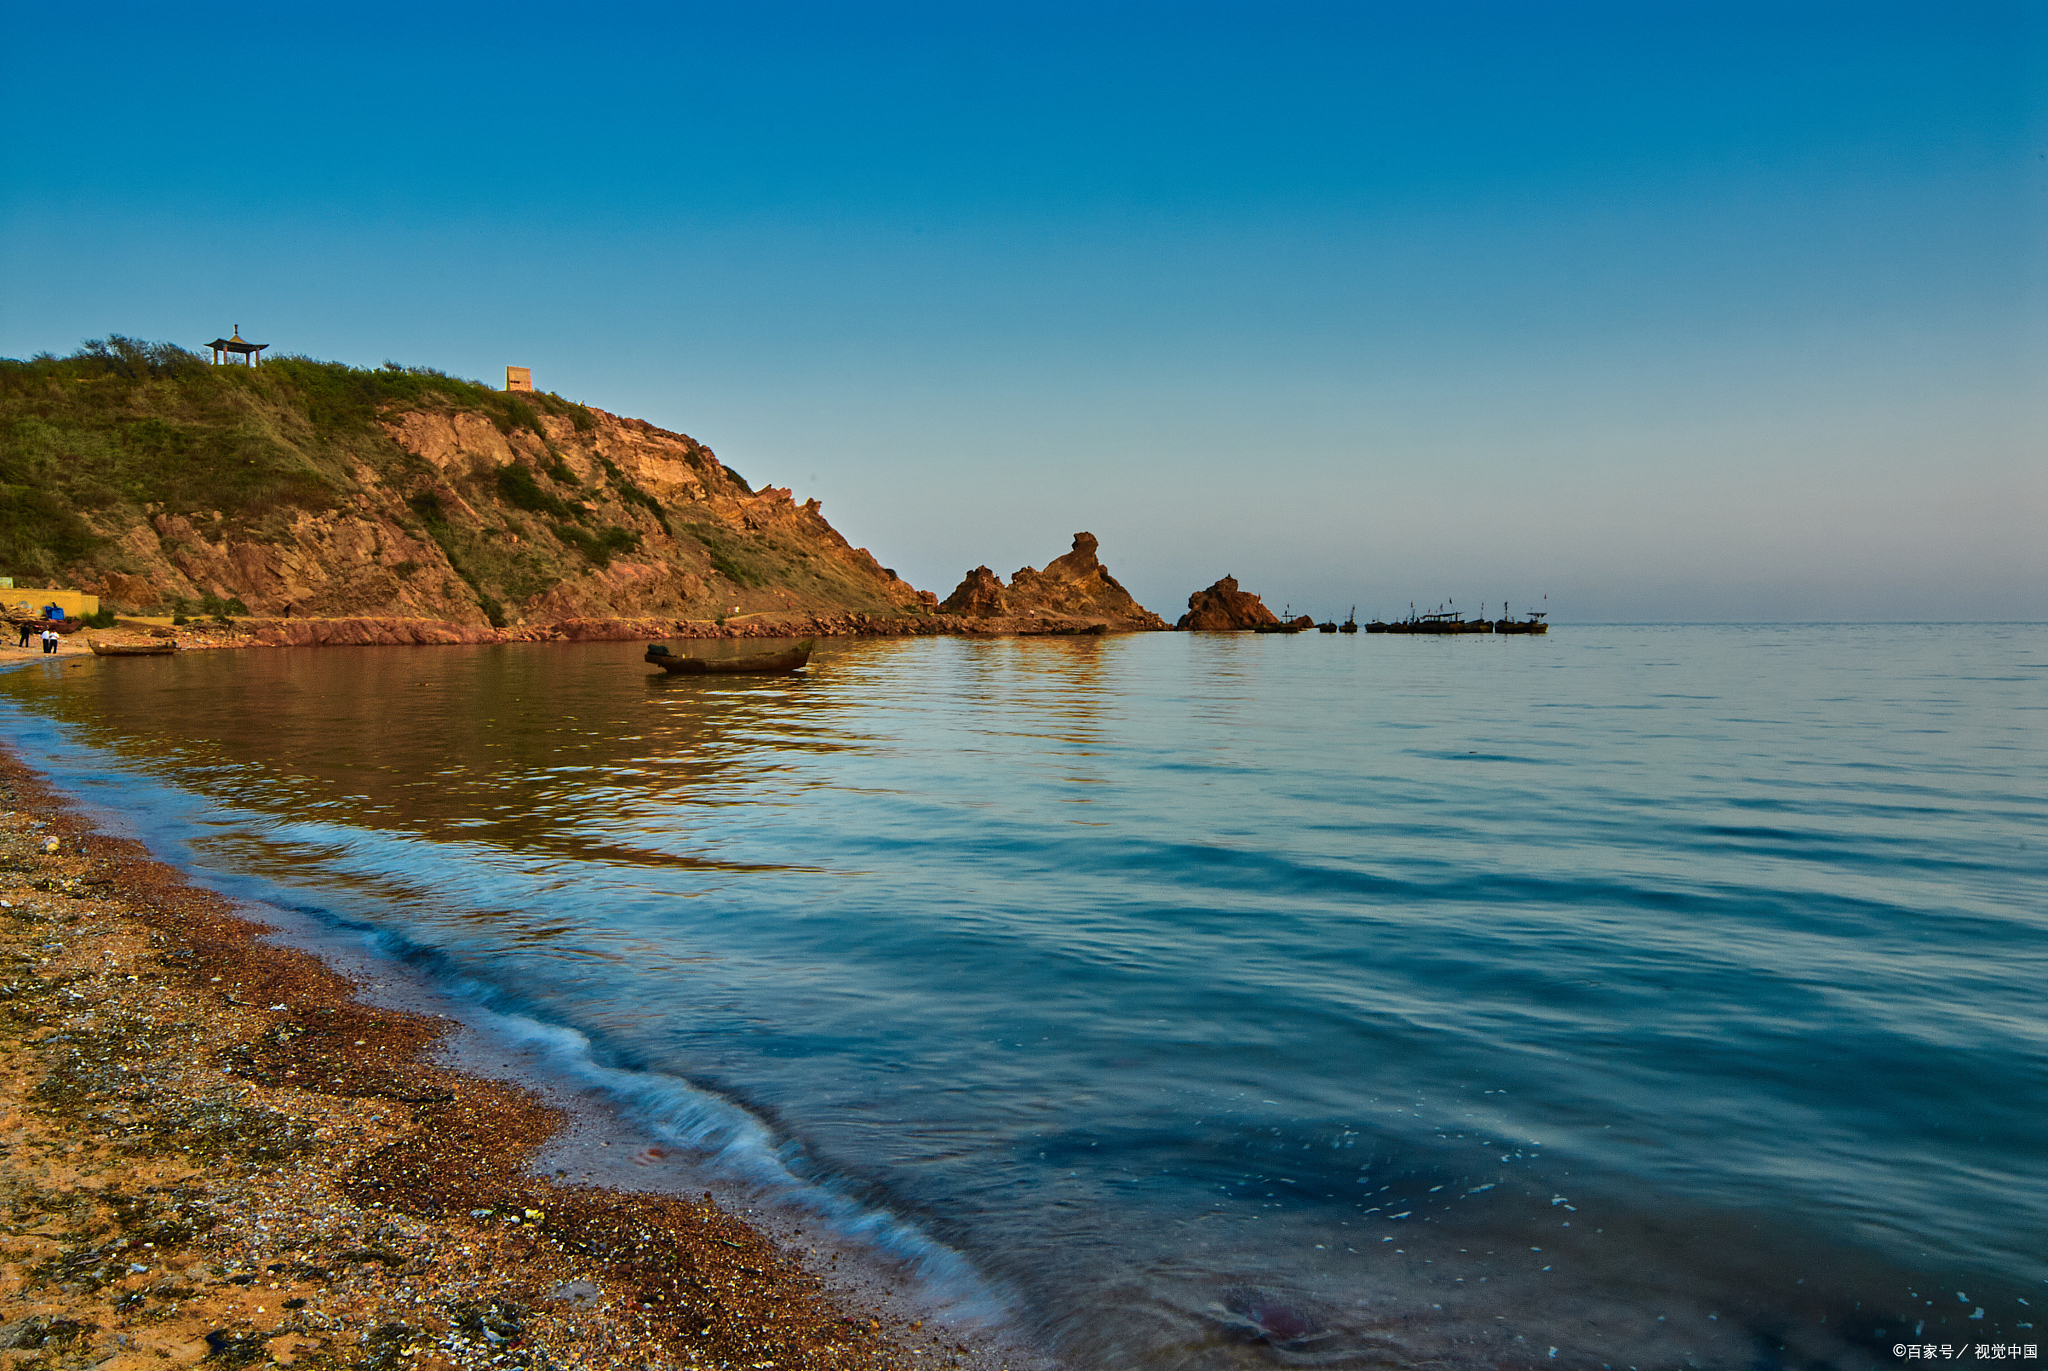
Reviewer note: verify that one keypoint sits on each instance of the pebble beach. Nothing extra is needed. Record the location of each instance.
(211, 1151)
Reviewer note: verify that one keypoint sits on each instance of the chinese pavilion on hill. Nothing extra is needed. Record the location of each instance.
(250, 352)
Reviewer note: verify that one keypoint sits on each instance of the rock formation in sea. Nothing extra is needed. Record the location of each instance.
(1074, 591)
(979, 595)
(312, 489)
(1223, 607)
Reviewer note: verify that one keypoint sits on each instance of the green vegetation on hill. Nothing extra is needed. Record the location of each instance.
(151, 425)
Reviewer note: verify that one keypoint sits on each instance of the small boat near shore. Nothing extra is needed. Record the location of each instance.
(100, 649)
(1350, 625)
(779, 662)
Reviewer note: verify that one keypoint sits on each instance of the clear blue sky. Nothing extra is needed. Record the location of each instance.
(1670, 311)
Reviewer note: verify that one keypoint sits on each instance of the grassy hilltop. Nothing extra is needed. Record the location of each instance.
(143, 473)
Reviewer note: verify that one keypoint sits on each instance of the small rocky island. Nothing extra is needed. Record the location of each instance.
(1075, 593)
(1223, 608)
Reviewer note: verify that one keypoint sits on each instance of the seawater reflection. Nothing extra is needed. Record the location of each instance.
(1655, 995)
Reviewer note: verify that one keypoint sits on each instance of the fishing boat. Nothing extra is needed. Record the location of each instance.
(1533, 624)
(1350, 625)
(1445, 623)
(1288, 623)
(1329, 626)
(781, 661)
(100, 649)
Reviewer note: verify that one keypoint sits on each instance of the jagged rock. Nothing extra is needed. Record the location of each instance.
(1078, 586)
(1223, 607)
(979, 595)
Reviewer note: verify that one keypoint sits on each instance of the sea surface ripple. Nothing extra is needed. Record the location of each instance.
(1632, 996)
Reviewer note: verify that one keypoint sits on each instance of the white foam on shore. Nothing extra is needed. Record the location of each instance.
(625, 1129)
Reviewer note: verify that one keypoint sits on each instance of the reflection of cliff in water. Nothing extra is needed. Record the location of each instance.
(513, 746)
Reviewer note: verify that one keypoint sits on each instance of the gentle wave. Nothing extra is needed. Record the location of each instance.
(1662, 995)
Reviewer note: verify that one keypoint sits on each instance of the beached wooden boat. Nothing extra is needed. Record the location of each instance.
(778, 662)
(100, 649)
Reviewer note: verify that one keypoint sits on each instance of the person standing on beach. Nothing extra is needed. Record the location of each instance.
(26, 629)
(49, 640)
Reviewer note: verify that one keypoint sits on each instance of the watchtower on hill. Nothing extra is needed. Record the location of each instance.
(519, 378)
(224, 348)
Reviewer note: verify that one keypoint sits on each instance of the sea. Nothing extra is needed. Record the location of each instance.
(1630, 996)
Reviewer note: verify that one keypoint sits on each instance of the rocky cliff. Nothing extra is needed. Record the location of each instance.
(1075, 590)
(140, 473)
(1223, 607)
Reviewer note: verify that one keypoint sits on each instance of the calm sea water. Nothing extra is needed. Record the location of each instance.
(1643, 996)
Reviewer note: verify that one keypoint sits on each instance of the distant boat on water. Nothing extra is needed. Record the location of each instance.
(1350, 625)
(1288, 623)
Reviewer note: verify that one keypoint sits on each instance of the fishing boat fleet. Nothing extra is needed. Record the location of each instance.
(1451, 621)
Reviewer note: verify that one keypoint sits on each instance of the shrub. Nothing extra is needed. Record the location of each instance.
(517, 485)
(599, 548)
(631, 494)
(518, 414)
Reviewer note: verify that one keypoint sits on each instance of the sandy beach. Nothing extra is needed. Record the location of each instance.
(212, 1152)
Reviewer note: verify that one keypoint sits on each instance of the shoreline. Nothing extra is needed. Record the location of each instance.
(216, 1150)
(380, 631)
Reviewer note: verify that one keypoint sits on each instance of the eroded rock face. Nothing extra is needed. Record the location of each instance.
(1223, 608)
(459, 522)
(979, 595)
(1078, 586)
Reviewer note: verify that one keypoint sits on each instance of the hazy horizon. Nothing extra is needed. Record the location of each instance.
(1712, 314)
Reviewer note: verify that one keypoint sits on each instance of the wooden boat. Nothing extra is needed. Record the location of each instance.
(100, 649)
(779, 662)
(1350, 625)
(1329, 626)
(1508, 623)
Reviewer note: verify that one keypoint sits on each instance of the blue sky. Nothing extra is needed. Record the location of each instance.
(1667, 311)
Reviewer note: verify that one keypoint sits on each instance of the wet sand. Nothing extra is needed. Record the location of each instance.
(211, 1151)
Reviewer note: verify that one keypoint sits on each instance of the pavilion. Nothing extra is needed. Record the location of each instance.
(251, 353)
